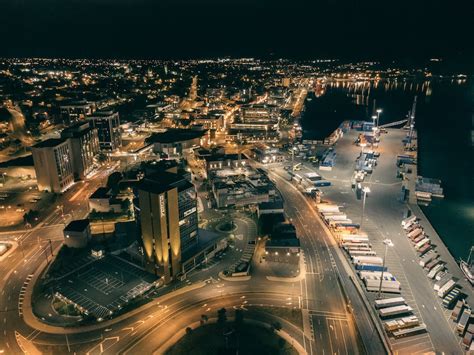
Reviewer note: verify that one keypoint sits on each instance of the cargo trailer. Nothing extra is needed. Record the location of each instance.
(389, 302)
(368, 267)
(372, 260)
(433, 272)
(446, 288)
(407, 222)
(457, 311)
(415, 233)
(421, 243)
(410, 331)
(424, 249)
(395, 310)
(355, 253)
(463, 321)
(428, 257)
(326, 207)
(442, 281)
(401, 323)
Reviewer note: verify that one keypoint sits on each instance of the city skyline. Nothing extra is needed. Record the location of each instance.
(145, 29)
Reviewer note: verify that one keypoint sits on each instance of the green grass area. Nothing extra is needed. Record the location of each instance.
(230, 339)
(65, 309)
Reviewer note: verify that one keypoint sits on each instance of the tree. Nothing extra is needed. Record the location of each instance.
(221, 316)
(239, 317)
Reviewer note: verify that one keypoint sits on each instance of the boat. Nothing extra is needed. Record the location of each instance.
(467, 267)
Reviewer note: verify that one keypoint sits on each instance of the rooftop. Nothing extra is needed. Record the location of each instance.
(49, 143)
(77, 226)
(175, 135)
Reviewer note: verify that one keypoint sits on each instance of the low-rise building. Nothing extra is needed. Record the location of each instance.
(103, 201)
(77, 234)
(174, 141)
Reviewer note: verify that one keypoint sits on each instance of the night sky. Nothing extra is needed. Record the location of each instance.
(354, 29)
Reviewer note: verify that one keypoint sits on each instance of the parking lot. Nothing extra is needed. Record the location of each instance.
(104, 286)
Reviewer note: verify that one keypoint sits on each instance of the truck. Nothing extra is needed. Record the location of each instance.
(428, 257)
(446, 288)
(394, 311)
(463, 321)
(389, 302)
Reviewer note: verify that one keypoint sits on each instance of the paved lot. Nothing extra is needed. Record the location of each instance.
(105, 286)
(383, 214)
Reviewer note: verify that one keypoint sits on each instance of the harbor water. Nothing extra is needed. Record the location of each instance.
(444, 122)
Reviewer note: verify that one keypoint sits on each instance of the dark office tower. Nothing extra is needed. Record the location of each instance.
(84, 147)
(168, 217)
(108, 129)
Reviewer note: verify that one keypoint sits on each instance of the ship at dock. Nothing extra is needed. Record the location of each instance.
(467, 267)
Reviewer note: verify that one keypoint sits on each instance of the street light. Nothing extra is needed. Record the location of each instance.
(365, 191)
(388, 243)
(379, 111)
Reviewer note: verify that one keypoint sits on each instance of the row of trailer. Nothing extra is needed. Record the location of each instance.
(397, 317)
(369, 266)
(444, 284)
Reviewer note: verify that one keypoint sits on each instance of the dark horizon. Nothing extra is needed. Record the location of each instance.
(183, 29)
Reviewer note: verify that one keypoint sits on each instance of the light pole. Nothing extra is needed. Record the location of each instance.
(379, 111)
(388, 243)
(365, 191)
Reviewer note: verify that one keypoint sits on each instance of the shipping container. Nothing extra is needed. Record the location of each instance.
(421, 243)
(368, 267)
(401, 323)
(415, 233)
(372, 260)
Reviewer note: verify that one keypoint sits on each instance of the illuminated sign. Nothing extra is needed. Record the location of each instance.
(188, 212)
(162, 205)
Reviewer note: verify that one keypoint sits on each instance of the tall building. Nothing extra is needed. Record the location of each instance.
(53, 165)
(108, 129)
(169, 222)
(84, 147)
